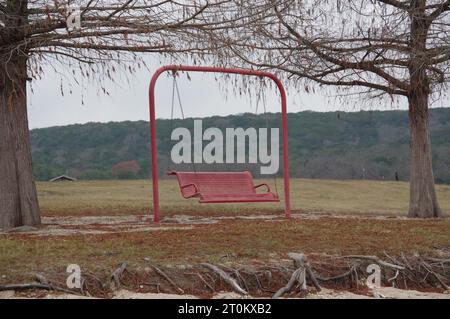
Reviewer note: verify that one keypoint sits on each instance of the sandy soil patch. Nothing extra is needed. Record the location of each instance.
(92, 225)
(383, 293)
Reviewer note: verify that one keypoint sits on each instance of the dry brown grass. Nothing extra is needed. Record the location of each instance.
(134, 197)
(244, 240)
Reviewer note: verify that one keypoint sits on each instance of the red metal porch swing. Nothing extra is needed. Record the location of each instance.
(219, 187)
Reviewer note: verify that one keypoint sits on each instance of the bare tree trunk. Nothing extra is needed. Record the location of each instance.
(18, 196)
(423, 202)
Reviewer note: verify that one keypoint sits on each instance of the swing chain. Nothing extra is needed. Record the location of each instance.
(176, 91)
(262, 96)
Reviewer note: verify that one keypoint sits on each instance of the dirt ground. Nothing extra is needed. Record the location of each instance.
(379, 293)
(83, 225)
(247, 246)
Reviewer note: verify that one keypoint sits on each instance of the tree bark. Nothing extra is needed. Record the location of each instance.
(18, 196)
(423, 202)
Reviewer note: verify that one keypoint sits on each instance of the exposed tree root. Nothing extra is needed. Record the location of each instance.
(300, 260)
(115, 276)
(377, 260)
(273, 279)
(41, 284)
(172, 283)
(202, 280)
(226, 278)
(20, 287)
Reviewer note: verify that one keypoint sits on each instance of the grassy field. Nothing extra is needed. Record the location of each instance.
(248, 241)
(134, 197)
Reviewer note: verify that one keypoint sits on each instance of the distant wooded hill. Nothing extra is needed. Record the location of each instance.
(333, 145)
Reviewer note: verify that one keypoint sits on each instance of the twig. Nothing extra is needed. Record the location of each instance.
(211, 278)
(35, 285)
(115, 276)
(226, 278)
(44, 281)
(172, 283)
(375, 259)
(437, 276)
(95, 278)
(393, 278)
(404, 281)
(346, 274)
(355, 271)
(25, 287)
(258, 282)
(41, 279)
(152, 284)
(406, 262)
(241, 279)
(82, 284)
(202, 280)
(393, 260)
(439, 261)
(269, 276)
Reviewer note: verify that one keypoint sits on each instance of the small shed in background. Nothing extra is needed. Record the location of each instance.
(63, 178)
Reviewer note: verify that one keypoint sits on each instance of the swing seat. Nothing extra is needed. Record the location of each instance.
(222, 187)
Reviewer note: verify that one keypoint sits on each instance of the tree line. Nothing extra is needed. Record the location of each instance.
(333, 145)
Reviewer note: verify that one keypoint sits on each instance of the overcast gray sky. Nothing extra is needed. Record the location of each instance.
(202, 96)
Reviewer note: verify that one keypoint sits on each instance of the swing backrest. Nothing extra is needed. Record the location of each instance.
(194, 184)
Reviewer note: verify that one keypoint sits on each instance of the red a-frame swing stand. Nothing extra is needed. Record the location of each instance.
(156, 211)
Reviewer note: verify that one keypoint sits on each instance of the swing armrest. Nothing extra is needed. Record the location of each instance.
(263, 184)
(196, 191)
